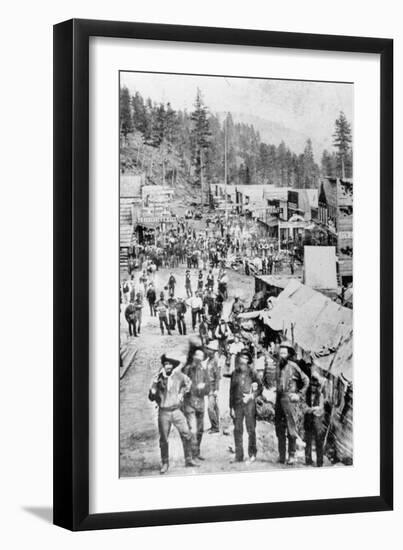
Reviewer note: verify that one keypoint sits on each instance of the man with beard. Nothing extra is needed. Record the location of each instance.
(291, 384)
(168, 389)
(194, 400)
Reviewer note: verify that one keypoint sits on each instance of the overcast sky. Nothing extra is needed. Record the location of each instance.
(309, 108)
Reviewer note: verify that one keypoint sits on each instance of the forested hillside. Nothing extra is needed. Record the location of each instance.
(182, 149)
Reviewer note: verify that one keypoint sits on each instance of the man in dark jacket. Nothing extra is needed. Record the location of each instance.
(172, 312)
(195, 400)
(168, 388)
(171, 285)
(314, 420)
(245, 387)
(130, 313)
(210, 280)
(291, 384)
(214, 373)
(180, 315)
(151, 298)
(162, 309)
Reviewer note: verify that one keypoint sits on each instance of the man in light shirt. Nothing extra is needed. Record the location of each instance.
(234, 349)
(196, 306)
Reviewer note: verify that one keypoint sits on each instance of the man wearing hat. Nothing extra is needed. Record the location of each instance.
(130, 314)
(138, 306)
(222, 334)
(291, 384)
(168, 389)
(195, 400)
(245, 387)
(314, 420)
(162, 309)
(188, 284)
(171, 285)
(214, 374)
(180, 315)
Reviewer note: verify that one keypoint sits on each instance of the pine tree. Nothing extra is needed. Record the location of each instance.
(328, 164)
(282, 164)
(139, 113)
(126, 121)
(171, 125)
(342, 139)
(308, 166)
(200, 133)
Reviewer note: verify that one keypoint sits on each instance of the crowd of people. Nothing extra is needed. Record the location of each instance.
(203, 300)
(230, 242)
(181, 390)
(256, 367)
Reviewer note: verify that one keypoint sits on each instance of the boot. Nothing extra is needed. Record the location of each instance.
(190, 464)
(164, 468)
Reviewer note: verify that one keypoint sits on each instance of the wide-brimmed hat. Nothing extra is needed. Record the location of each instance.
(213, 345)
(316, 379)
(166, 359)
(287, 344)
(245, 353)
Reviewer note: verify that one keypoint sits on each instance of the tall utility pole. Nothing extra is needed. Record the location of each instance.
(201, 177)
(225, 167)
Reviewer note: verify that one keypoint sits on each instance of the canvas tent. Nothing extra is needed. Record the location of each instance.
(317, 325)
(322, 333)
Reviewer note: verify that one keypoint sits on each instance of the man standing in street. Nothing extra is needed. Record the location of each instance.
(270, 264)
(314, 420)
(171, 285)
(194, 400)
(214, 374)
(130, 313)
(237, 307)
(151, 298)
(162, 309)
(188, 284)
(196, 305)
(204, 330)
(138, 306)
(168, 389)
(291, 385)
(245, 387)
(210, 280)
(223, 333)
(180, 316)
(172, 312)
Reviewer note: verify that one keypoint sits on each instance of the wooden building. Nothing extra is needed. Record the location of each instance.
(335, 211)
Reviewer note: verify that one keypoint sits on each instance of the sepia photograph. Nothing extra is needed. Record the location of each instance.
(236, 274)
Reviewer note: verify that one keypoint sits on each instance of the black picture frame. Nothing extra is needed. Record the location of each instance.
(71, 274)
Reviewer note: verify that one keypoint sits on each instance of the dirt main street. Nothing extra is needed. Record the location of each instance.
(139, 439)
